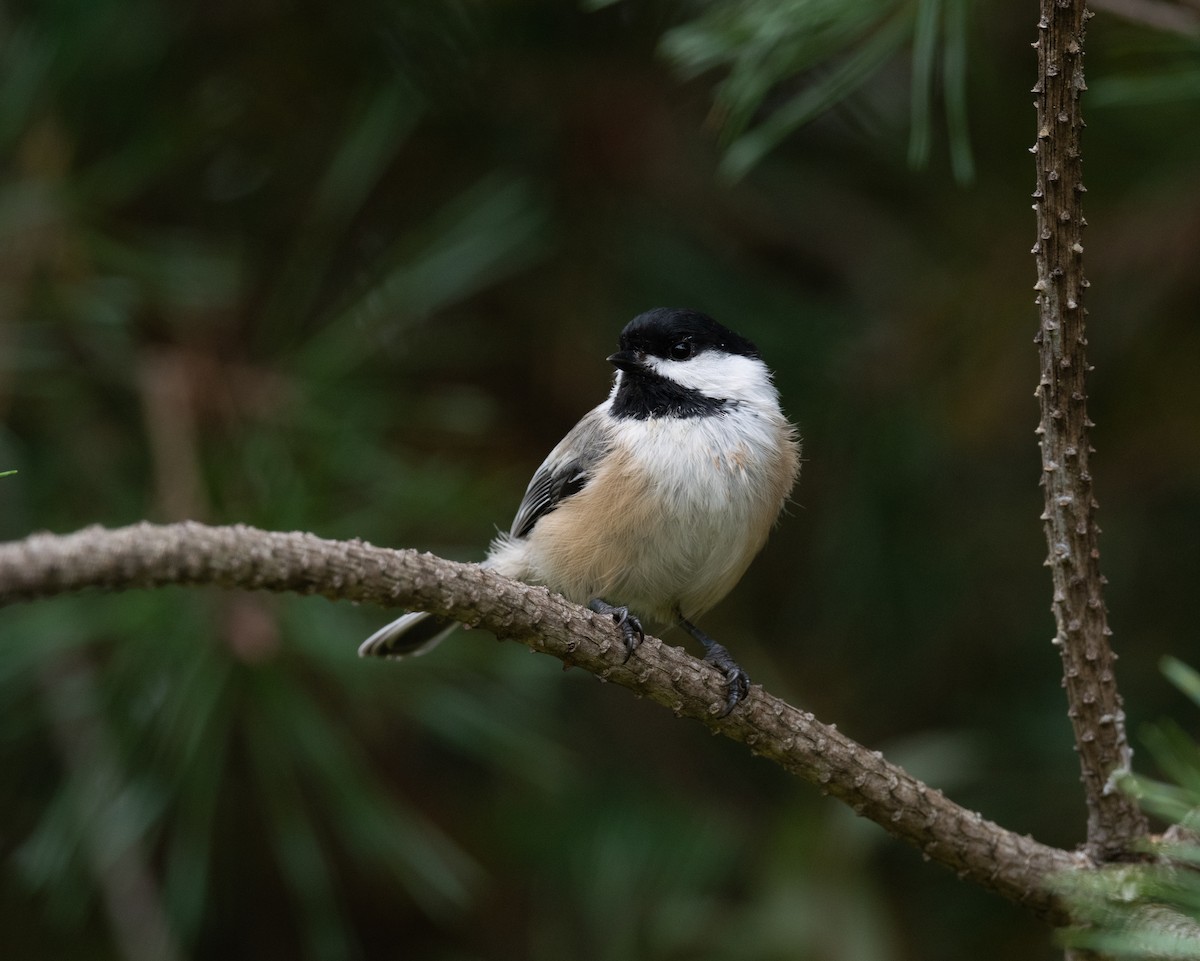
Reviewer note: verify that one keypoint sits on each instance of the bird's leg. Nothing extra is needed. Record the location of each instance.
(716, 655)
(630, 626)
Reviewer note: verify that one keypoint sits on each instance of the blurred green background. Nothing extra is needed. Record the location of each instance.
(355, 268)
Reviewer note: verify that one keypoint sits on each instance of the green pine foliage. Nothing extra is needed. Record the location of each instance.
(786, 63)
(1151, 909)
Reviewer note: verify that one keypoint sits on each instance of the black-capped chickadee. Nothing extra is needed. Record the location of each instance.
(655, 503)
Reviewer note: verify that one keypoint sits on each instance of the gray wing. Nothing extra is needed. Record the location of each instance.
(565, 471)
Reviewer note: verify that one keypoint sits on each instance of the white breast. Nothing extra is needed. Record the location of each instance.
(672, 519)
(720, 484)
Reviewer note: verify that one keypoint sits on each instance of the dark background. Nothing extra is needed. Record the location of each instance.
(354, 269)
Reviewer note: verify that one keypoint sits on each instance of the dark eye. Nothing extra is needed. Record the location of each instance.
(682, 351)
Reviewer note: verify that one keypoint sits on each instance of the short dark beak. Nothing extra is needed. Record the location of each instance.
(628, 359)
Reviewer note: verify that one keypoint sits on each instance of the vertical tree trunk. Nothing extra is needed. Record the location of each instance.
(1071, 532)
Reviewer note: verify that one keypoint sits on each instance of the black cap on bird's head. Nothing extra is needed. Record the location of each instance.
(676, 333)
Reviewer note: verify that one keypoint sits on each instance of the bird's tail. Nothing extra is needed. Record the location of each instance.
(406, 636)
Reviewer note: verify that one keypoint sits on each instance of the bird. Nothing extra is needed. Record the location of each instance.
(656, 502)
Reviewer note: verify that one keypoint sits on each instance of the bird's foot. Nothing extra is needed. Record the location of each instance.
(630, 626)
(737, 681)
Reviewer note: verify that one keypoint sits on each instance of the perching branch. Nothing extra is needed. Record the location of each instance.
(147, 556)
(1071, 532)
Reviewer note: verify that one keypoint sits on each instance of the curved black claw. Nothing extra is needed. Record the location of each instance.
(737, 680)
(630, 626)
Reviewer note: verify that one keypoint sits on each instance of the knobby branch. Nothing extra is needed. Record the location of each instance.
(239, 557)
(1094, 705)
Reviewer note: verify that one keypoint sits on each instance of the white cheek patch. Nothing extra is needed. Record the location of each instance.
(715, 374)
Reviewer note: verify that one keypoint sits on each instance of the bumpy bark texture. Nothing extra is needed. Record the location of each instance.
(1071, 532)
(147, 556)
